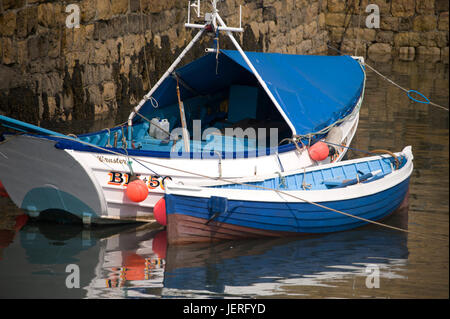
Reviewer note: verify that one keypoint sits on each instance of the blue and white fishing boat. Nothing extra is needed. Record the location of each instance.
(224, 114)
(330, 198)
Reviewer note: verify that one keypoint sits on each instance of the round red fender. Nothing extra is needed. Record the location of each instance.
(137, 191)
(319, 151)
(3, 192)
(159, 211)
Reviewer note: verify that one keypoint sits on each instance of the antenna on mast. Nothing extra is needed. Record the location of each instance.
(211, 18)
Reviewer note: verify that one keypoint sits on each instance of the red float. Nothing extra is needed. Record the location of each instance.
(137, 191)
(319, 151)
(159, 211)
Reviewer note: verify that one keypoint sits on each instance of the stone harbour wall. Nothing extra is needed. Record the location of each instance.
(407, 28)
(50, 72)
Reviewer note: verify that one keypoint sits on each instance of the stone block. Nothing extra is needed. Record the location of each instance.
(88, 10)
(389, 23)
(336, 6)
(335, 19)
(380, 52)
(443, 21)
(385, 37)
(104, 11)
(119, 6)
(403, 8)
(425, 7)
(9, 51)
(13, 4)
(411, 39)
(8, 23)
(425, 23)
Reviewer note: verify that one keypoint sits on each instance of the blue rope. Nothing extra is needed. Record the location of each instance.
(427, 101)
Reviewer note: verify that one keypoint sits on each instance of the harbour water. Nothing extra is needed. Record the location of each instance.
(40, 260)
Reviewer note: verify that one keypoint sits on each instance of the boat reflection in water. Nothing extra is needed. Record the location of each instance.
(135, 261)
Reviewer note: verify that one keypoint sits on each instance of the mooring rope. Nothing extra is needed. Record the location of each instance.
(408, 92)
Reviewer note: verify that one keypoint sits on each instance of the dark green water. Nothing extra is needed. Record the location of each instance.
(134, 261)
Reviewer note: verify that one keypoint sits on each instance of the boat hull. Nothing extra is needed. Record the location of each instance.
(41, 177)
(202, 214)
(188, 217)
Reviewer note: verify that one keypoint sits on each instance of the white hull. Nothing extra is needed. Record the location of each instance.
(39, 177)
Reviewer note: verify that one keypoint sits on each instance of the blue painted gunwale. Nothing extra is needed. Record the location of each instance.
(294, 217)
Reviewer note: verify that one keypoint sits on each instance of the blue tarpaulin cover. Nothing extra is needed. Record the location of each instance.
(312, 92)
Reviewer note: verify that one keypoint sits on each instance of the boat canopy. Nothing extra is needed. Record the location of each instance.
(310, 92)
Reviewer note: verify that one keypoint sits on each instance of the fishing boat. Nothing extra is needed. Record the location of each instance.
(229, 114)
(330, 198)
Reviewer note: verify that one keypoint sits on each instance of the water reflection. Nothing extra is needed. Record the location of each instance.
(134, 261)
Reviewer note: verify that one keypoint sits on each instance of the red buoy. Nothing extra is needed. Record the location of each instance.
(159, 211)
(319, 151)
(137, 191)
(159, 244)
(3, 192)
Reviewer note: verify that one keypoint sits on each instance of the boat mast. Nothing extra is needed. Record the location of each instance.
(211, 20)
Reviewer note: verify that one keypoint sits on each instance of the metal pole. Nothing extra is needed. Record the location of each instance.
(258, 77)
(168, 72)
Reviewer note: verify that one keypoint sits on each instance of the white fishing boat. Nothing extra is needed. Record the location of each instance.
(229, 114)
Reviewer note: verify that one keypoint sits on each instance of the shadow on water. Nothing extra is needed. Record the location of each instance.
(134, 261)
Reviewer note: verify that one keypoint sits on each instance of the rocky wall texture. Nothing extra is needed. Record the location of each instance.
(407, 28)
(50, 72)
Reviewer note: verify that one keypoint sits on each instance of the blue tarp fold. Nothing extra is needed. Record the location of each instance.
(312, 92)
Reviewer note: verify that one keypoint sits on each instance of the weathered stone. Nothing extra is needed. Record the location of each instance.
(389, 23)
(104, 11)
(119, 6)
(22, 52)
(99, 54)
(335, 19)
(46, 15)
(441, 5)
(443, 21)
(385, 37)
(444, 55)
(269, 14)
(432, 54)
(135, 5)
(336, 5)
(424, 23)
(405, 24)
(8, 23)
(403, 8)
(9, 51)
(13, 4)
(411, 39)
(425, 6)
(379, 49)
(109, 91)
(422, 50)
(407, 53)
(88, 10)
(304, 47)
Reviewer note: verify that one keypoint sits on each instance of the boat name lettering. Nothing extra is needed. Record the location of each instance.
(109, 160)
(122, 179)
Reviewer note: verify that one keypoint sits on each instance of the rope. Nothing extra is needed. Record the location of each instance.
(408, 92)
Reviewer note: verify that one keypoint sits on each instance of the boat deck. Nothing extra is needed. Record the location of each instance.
(327, 178)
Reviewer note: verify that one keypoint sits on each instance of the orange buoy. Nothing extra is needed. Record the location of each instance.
(159, 211)
(3, 192)
(319, 151)
(137, 190)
